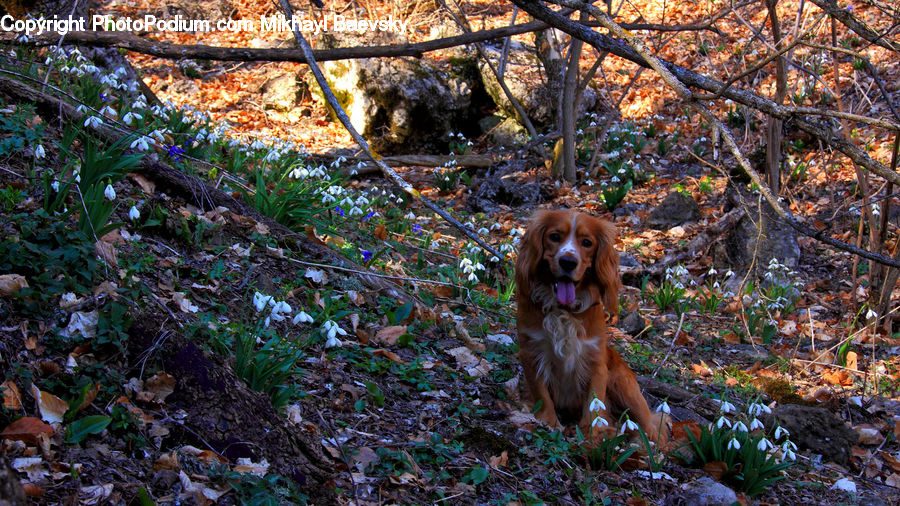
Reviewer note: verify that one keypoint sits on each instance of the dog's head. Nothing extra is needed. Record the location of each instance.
(569, 252)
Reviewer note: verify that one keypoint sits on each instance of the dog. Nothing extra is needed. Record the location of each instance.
(566, 274)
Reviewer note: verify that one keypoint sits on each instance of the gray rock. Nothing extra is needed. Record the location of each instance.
(281, 92)
(759, 234)
(675, 209)
(815, 429)
(633, 323)
(508, 133)
(404, 105)
(708, 492)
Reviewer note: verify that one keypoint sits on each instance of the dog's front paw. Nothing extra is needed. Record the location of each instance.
(548, 416)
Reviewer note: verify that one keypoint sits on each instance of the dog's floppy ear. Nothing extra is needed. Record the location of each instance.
(531, 249)
(606, 264)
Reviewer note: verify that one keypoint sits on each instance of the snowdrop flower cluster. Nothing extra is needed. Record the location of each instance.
(470, 269)
(595, 407)
(331, 331)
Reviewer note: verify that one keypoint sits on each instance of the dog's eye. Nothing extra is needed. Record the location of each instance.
(555, 237)
(586, 243)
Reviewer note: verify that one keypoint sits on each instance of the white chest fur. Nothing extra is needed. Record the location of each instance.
(566, 358)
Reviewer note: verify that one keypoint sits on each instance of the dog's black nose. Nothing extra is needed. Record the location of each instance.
(568, 263)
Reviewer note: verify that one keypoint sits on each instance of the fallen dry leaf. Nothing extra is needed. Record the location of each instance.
(12, 399)
(388, 354)
(33, 467)
(390, 335)
(95, 494)
(11, 283)
(498, 461)
(161, 385)
(184, 304)
(167, 461)
(245, 465)
(27, 429)
(52, 408)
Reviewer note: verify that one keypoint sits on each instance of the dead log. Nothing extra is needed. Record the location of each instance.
(698, 244)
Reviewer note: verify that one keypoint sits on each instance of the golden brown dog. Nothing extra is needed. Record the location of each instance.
(567, 272)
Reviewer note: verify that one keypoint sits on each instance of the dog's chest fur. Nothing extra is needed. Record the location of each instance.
(564, 355)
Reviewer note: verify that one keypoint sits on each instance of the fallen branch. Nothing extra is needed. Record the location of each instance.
(138, 44)
(700, 243)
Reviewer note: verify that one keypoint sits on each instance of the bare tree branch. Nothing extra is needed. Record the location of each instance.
(689, 78)
(138, 44)
(846, 18)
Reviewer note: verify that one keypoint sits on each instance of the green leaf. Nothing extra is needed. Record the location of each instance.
(476, 475)
(80, 429)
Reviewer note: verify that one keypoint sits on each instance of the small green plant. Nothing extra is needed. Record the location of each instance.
(705, 185)
(268, 490)
(612, 195)
(745, 452)
(671, 291)
(267, 368)
(11, 197)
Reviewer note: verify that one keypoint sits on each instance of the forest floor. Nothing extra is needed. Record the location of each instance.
(382, 369)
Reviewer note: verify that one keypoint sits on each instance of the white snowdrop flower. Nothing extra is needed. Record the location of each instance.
(158, 135)
(328, 199)
(589, 182)
(779, 431)
(727, 407)
(712, 271)
(740, 426)
(788, 446)
(483, 231)
(362, 201)
(716, 285)
(410, 216)
(302, 317)
(108, 111)
(280, 309)
(876, 210)
(734, 444)
(109, 192)
(871, 314)
(756, 408)
(664, 408)
(599, 421)
(332, 342)
(142, 143)
(746, 299)
(764, 445)
(629, 425)
(273, 156)
(39, 151)
(596, 405)
(260, 301)
(789, 455)
(355, 211)
(299, 173)
(614, 179)
(722, 421)
(133, 213)
(756, 424)
(93, 122)
(622, 170)
(129, 117)
(55, 186)
(257, 144)
(473, 277)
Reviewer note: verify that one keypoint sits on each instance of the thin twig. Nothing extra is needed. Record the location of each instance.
(671, 346)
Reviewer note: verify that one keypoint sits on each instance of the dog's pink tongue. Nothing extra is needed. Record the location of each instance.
(565, 292)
